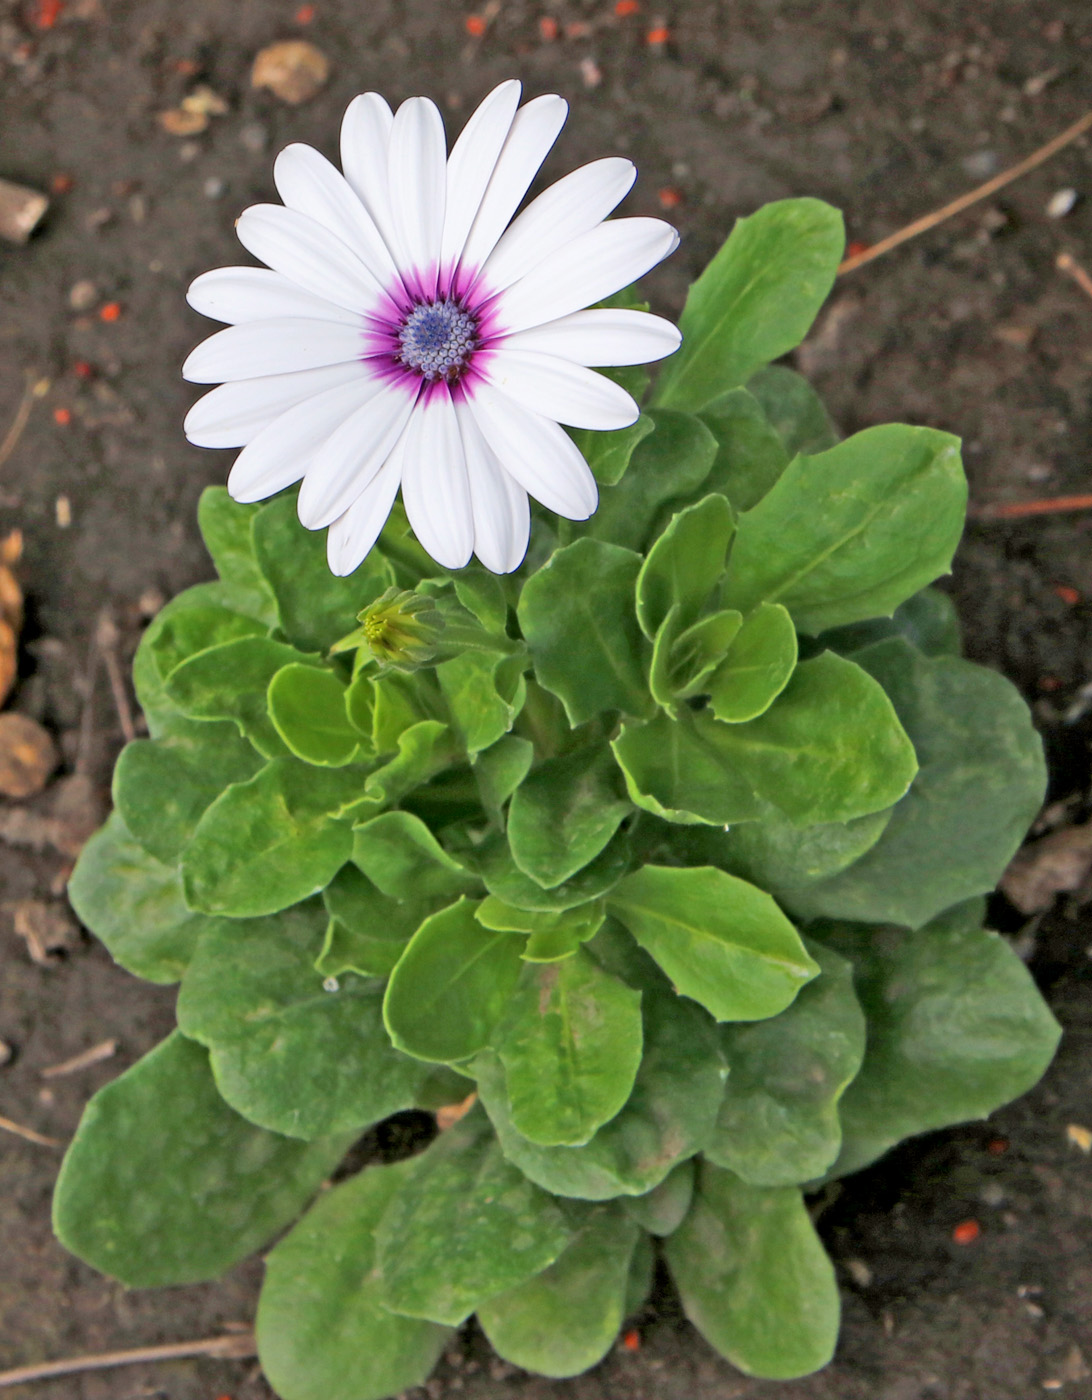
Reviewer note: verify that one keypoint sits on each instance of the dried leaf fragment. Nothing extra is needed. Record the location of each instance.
(450, 1114)
(49, 930)
(176, 121)
(1055, 864)
(203, 99)
(293, 70)
(27, 756)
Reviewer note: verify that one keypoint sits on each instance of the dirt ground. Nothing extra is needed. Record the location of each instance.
(886, 109)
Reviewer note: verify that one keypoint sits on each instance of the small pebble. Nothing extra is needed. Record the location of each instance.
(214, 187)
(6, 1052)
(992, 1194)
(1061, 203)
(980, 164)
(63, 510)
(859, 1272)
(83, 295)
(253, 137)
(189, 151)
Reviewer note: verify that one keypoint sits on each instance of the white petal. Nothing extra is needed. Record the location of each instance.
(351, 536)
(235, 294)
(308, 183)
(234, 413)
(351, 456)
(435, 490)
(535, 129)
(279, 346)
(565, 392)
(540, 455)
(567, 209)
(471, 163)
(279, 454)
(502, 514)
(365, 139)
(417, 177)
(602, 337)
(591, 267)
(303, 251)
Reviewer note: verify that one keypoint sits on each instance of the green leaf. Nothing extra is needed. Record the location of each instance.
(178, 633)
(164, 1184)
(676, 770)
(134, 904)
(481, 593)
(750, 454)
(161, 714)
(287, 1053)
(552, 936)
(484, 693)
(465, 1227)
(503, 878)
(307, 708)
(226, 529)
(956, 1028)
(404, 860)
(499, 770)
(755, 301)
(668, 1117)
(451, 986)
(778, 1124)
(162, 787)
(928, 620)
(570, 1043)
(566, 1319)
(793, 408)
(667, 466)
(424, 750)
(271, 842)
(586, 590)
(367, 932)
(831, 748)
(323, 1332)
(685, 564)
(664, 1208)
(852, 532)
(565, 813)
(779, 857)
(231, 681)
(757, 668)
(753, 1277)
(980, 785)
(720, 940)
(609, 454)
(697, 652)
(642, 1272)
(315, 608)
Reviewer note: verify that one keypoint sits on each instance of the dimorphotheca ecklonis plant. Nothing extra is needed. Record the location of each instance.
(661, 854)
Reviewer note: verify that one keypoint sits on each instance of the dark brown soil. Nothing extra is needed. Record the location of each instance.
(887, 109)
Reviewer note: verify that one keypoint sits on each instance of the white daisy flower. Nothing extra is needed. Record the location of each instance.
(407, 331)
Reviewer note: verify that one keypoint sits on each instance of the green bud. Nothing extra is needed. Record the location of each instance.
(400, 629)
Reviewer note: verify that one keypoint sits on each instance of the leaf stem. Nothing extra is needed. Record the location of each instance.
(234, 1347)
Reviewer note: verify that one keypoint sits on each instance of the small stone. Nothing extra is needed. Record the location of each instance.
(253, 137)
(992, 1194)
(591, 73)
(859, 1272)
(189, 151)
(214, 187)
(63, 510)
(138, 208)
(82, 295)
(1079, 1136)
(295, 71)
(27, 756)
(980, 164)
(6, 1053)
(20, 210)
(1061, 203)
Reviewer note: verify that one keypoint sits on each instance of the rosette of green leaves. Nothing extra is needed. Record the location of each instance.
(550, 841)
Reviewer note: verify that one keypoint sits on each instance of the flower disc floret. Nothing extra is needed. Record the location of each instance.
(408, 333)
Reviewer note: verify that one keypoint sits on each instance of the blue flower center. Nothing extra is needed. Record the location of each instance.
(438, 339)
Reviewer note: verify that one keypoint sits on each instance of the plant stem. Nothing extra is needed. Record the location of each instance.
(235, 1347)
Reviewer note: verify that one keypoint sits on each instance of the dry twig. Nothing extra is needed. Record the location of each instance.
(19, 422)
(237, 1347)
(1017, 510)
(84, 1060)
(1067, 263)
(28, 1134)
(957, 206)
